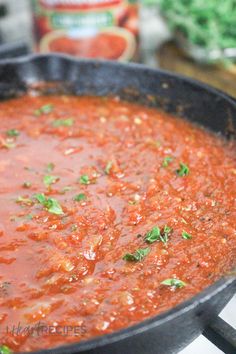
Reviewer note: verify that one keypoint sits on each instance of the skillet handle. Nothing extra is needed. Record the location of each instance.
(222, 335)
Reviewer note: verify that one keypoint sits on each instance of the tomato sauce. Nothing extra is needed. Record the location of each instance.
(110, 213)
(100, 46)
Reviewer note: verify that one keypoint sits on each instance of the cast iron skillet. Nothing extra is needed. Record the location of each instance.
(172, 330)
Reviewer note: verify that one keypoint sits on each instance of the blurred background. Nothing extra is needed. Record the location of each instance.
(194, 37)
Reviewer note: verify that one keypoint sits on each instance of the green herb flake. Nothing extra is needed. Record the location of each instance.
(27, 185)
(63, 122)
(50, 167)
(108, 167)
(48, 180)
(12, 132)
(51, 204)
(158, 235)
(137, 255)
(46, 109)
(186, 235)
(5, 350)
(84, 179)
(165, 234)
(173, 282)
(166, 161)
(153, 235)
(183, 170)
(80, 197)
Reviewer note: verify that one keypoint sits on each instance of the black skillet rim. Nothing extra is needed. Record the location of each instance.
(184, 307)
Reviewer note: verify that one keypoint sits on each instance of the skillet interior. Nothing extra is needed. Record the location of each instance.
(196, 102)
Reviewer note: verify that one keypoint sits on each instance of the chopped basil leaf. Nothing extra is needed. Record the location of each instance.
(50, 204)
(50, 167)
(5, 350)
(137, 255)
(108, 167)
(84, 179)
(165, 233)
(166, 161)
(153, 235)
(158, 235)
(186, 235)
(48, 180)
(63, 122)
(80, 197)
(174, 282)
(183, 170)
(27, 184)
(46, 109)
(12, 132)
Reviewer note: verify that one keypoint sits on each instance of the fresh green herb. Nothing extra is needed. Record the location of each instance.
(165, 234)
(183, 170)
(5, 350)
(46, 109)
(22, 200)
(206, 24)
(153, 235)
(158, 235)
(12, 132)
(50, 204)
(48, 180)
(63, 122)
(166, 161)
(50, 167)
(80, 197)
(108, 167)
(27, 184)
(186, 235)
(137, 255)
(84, 179)
(174, 282)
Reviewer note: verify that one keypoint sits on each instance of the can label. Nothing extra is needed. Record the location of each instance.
(105, 29)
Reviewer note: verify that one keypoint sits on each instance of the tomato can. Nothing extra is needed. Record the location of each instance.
(106, 29)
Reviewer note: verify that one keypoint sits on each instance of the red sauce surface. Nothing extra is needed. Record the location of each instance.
(104, 45)
(68, 269)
